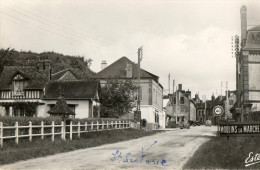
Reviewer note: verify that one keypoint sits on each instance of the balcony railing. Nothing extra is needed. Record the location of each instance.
(27, 94)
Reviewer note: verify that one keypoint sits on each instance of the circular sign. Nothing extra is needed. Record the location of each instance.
(218, 110)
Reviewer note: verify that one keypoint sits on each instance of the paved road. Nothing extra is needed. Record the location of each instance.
(170, 149)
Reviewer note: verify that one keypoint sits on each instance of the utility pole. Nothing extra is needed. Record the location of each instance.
(206, 110)
(226, 105)
(140, 56)
(169, 81)
(176, 99)
(173, 84)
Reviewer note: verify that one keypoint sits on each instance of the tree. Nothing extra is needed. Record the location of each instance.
(117, 98)
(6, 57)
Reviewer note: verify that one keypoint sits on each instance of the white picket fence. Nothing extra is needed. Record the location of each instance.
(88, 127)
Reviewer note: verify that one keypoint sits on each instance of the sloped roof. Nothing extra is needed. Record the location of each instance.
(59, 74)
(72, 89)
(256, 28)
(253, 39)
(36, 79)
(219, 101)
(118, 70)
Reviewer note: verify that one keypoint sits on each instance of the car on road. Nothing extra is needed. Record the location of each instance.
(194, 123)
(208, 123)
(184, 125)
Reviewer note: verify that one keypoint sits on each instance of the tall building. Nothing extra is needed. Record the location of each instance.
(180, 107)
(248, 71)
(151, 91)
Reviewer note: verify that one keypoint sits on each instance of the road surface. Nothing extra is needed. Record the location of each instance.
(167, 150)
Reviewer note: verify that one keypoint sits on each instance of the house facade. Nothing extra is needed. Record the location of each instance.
(181, 108)
(32, 91)
(151, 91)
(247, 71)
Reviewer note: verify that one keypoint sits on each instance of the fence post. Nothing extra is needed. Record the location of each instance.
(123, 123)
(92, 125)
(107, 125)
(79, 129)
(102, 125)
(1, 134)
(97, 125)
(42, 130)
(71, 129)
(16, 133)
(116, 125)
(62, 131)
(112, 124)
(52, 131)
(86, 126)
(30, 131)
(119, 124)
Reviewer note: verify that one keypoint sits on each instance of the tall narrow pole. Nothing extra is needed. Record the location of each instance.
(169, 83)
(176, 104)
(173, 84)
(226, 99)
(140, 52)
(226, 105)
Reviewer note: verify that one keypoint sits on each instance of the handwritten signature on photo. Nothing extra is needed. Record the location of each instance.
(252, 159)
(129, 158)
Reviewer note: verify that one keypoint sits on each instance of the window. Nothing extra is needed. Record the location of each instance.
(18, 84)
(7, 111)
(19, 111)
(231, 102)
(182, 100)
(72, 108)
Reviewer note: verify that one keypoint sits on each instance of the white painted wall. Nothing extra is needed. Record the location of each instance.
(162, 119)
(2, 111)
(192, 112)
(81, 108)
(148, 113)
(42, 111)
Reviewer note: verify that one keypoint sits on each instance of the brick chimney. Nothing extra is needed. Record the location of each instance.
(180, 87)
(44, 65)
(243, 18)
(188, 94)
(103, 64)
(212, 97)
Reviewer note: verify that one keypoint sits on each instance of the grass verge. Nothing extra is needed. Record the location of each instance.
(38, 148)
(220, 153)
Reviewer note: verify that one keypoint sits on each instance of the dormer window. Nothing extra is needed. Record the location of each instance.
(18, 84)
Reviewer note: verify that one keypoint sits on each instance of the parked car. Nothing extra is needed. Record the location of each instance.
(208, 123)
(192, 123)
(197, 123)
(185, 125)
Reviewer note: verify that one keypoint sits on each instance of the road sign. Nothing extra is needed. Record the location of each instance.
(218, 110)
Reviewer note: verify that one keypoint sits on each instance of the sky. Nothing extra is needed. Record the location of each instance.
(188, 39)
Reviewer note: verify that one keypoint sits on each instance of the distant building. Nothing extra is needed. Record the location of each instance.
(205, 109)
(151, 89)
(181, 108)
(247, 72)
